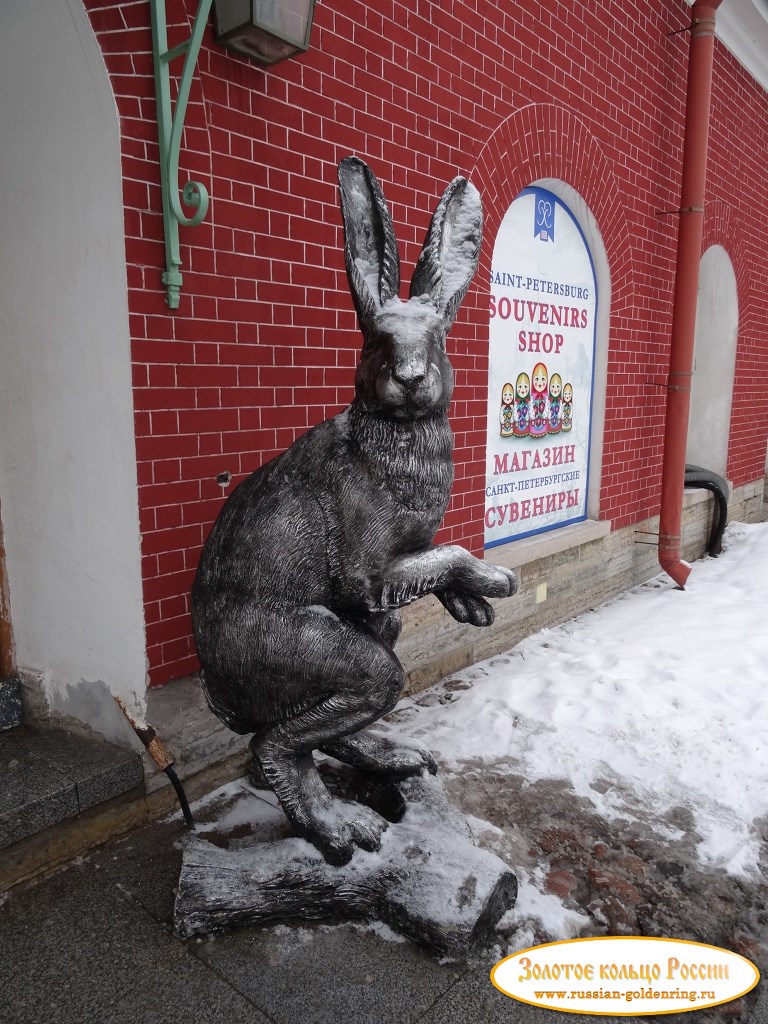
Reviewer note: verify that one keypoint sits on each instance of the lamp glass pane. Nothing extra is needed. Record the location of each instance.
(231, 14)
(286, 18)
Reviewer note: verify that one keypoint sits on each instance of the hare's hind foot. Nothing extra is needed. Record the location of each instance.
(374, 752)
(334, 826)
(341, 826)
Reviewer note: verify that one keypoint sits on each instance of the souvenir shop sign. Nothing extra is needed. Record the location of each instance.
(541, 369)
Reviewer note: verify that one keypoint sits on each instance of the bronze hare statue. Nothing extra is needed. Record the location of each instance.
(295, 604)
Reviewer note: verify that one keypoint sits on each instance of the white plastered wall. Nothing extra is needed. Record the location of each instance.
(67, 450)
(717, 327)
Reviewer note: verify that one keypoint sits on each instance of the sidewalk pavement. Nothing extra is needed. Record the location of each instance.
(93, 944)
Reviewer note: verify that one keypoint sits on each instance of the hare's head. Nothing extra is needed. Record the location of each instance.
(404, 372)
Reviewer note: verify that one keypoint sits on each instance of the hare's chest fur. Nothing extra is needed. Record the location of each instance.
(408, 466)
(406, 470)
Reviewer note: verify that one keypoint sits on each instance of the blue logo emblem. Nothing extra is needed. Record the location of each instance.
(544, 216)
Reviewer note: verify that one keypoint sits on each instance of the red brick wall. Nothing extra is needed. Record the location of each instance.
(265, 341)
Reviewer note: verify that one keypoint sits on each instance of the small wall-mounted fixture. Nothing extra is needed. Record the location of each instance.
(264, 30)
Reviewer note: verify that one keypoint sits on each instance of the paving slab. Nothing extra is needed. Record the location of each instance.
(330, 975)
(474, 999)
(76, 950)
(146, 866)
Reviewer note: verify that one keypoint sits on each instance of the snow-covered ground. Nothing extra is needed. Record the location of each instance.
(666, 690)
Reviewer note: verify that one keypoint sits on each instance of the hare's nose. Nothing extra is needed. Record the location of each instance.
(410, 371)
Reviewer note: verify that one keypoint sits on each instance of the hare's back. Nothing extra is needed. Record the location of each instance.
(268, 541)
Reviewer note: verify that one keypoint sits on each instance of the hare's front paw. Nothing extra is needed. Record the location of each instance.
(505, 578)
(467, 608)
(466, 599)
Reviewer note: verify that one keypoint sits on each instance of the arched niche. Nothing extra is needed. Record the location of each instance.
(717, 328)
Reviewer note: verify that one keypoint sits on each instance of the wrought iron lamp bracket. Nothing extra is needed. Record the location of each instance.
(170, 123)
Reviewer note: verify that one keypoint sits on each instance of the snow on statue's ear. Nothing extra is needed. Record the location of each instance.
(451, 250)
(370, 247)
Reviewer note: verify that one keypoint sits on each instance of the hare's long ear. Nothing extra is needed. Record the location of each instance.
(370, 247)
(448, 259)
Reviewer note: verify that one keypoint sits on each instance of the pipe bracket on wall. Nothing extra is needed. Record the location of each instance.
(170, 122)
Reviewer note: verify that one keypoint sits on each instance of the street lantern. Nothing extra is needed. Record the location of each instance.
(264, 30)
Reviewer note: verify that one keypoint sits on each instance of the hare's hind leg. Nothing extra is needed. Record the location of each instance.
(340, 680)
(334, 826)
(370, 749)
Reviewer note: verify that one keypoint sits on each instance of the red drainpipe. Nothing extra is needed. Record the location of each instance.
(700, 61)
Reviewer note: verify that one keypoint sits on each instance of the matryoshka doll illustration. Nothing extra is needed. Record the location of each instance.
(539, 380)
(567, 407)
(507, 410)
(555, 414)
(522, 405)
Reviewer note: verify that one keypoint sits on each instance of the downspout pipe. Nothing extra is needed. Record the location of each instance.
(696, 139)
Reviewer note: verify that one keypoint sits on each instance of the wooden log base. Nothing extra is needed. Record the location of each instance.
(428, 881)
